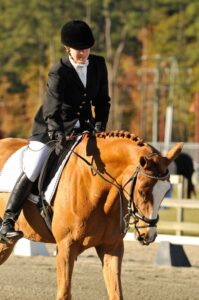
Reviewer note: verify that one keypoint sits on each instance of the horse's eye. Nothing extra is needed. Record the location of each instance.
(141, 193)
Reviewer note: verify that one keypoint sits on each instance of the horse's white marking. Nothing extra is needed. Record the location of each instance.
(159, 191)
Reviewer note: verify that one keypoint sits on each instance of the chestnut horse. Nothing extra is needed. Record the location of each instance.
(109, 178)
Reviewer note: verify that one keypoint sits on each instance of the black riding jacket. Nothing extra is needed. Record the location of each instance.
(67, 100)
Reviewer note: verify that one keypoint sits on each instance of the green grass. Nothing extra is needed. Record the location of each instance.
(170, 214)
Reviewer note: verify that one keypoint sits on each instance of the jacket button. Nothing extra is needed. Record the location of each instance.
(83, 102)
(78, 113)
(80, 106)
(85, 95)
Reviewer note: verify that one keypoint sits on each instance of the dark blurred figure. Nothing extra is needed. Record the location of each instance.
(185, 167)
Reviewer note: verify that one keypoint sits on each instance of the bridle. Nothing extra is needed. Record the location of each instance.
(132, 211)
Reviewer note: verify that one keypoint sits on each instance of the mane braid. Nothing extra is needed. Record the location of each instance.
(121, 134)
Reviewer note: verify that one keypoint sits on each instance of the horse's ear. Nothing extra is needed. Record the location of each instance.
(174, 152)
(145, 162)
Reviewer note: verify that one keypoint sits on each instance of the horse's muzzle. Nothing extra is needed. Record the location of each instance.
(145, 240)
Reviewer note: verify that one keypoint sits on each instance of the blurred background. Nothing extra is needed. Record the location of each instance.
(152, 52)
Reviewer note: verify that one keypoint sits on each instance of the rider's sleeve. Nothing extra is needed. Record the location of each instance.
(52, 103)
(102, 101)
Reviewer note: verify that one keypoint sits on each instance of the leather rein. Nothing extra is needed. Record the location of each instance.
(132, 211)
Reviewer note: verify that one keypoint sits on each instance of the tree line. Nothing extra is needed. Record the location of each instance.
(151, 49)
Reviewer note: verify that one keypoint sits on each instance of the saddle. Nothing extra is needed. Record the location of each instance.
(49, 169)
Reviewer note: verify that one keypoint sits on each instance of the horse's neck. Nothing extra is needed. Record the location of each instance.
(115, 159)
(113, 154)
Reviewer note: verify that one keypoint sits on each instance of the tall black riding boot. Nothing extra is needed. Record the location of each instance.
(19, 194)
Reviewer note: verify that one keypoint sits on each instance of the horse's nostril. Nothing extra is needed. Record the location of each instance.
(143, 241)
(140, 239)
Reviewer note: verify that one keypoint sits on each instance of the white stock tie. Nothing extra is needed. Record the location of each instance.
(82, 71)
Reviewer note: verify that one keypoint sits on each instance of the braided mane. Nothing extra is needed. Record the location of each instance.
(121, 134)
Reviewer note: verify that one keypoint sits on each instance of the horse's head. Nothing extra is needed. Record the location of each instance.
(148, 190)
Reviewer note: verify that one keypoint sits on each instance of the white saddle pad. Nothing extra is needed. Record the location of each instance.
(14, 167)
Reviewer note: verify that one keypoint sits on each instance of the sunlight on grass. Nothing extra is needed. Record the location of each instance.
(170, 214)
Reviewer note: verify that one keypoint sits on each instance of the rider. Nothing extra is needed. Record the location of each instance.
(75, 84)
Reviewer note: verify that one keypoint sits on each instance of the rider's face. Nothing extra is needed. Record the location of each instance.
(78, 56)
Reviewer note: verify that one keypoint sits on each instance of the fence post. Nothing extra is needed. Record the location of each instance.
(180, 196)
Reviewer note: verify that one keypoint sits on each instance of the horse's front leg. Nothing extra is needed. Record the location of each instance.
(5, 251)
(67, 253)
(111, 258)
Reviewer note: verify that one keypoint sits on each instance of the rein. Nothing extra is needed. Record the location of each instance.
(125, 220)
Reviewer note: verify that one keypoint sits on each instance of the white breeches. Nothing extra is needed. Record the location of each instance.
(34, 157)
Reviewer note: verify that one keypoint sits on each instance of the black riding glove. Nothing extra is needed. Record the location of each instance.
(60, 142)
(60, 139)
(99, 126)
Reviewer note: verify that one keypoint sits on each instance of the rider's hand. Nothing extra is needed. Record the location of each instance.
(60, 141)
(99, 126)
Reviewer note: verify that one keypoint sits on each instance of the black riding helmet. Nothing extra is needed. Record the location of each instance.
(77, 35)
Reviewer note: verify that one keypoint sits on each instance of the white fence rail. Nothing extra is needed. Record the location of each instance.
(179, 225)
(180, 204)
